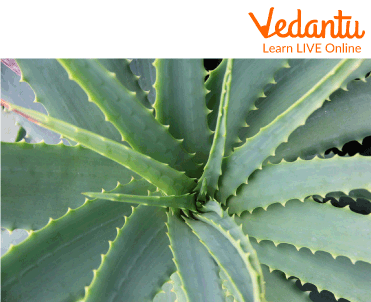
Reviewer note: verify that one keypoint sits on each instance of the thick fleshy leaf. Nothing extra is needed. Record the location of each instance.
(121, 68)
(208, 183)
(292, 84)
(249, 157)
(187, 201)
(230, 299)
(197, 269)
(135, 122)
(180, 103)
(147, 76)
(250, 76)
(232, 251)
(302, 178)
(136, 187)
(214, 84)
(345, 118)
(42, 181)
(161, 175)
(56, 262)
(63, 98)
(166, 294)
(340, 276)
(218, 218)
(178, 288)
(227, 285)
(317, 226)
(138, 261)
(280, 289)
(19, 93)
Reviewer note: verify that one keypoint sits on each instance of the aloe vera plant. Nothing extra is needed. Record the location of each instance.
(209, 187)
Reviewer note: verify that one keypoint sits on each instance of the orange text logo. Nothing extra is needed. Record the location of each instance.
(339, 28)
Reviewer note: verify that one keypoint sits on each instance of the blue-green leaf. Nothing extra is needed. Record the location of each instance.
(196, 268)
(180, 103)
(138, 261)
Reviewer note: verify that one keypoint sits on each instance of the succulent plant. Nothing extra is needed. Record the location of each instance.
(211, 188)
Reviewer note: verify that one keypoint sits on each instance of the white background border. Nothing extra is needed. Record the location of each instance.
(170, 29)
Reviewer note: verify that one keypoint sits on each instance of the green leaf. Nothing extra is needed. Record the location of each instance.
(226, 285)
(214, 85)
(21, 94)
(147, 76)
(333, 230)
(159, 174)
(138, 262)
(166, 294)
(63, 98)
(225, 241)
(180, 103)
(218, 218)
(121, 107)
(292, 84)
(343, 119)
(300, 179)
(213, 167)
(21, 134)
(280, 289)
(178, 288)
(249, 157)
(56, 262)
(250, 76)
(182, 202)
(230, 299)
(121, 67)
(340, 276)
(46, 180)
(135, 187)
(197, 269)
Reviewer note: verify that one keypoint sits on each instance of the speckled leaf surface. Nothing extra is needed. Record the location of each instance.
(300, 179)
(56, 262)
(35, 178)
(196, 268)
(138, 261)
(72, 243)
(292, 84)
(121, 68)
(340, 275)
(280, 289)
(225, 241)
(250, 76)
(134, 121)
(161, 175)
(186, 202)
(336, 231)
(63, 98)
(147, 76)
(345, 118)
(250, 156)
(180, 90)
(183, 242)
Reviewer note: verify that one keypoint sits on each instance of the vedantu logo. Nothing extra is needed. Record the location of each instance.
(339, 28)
